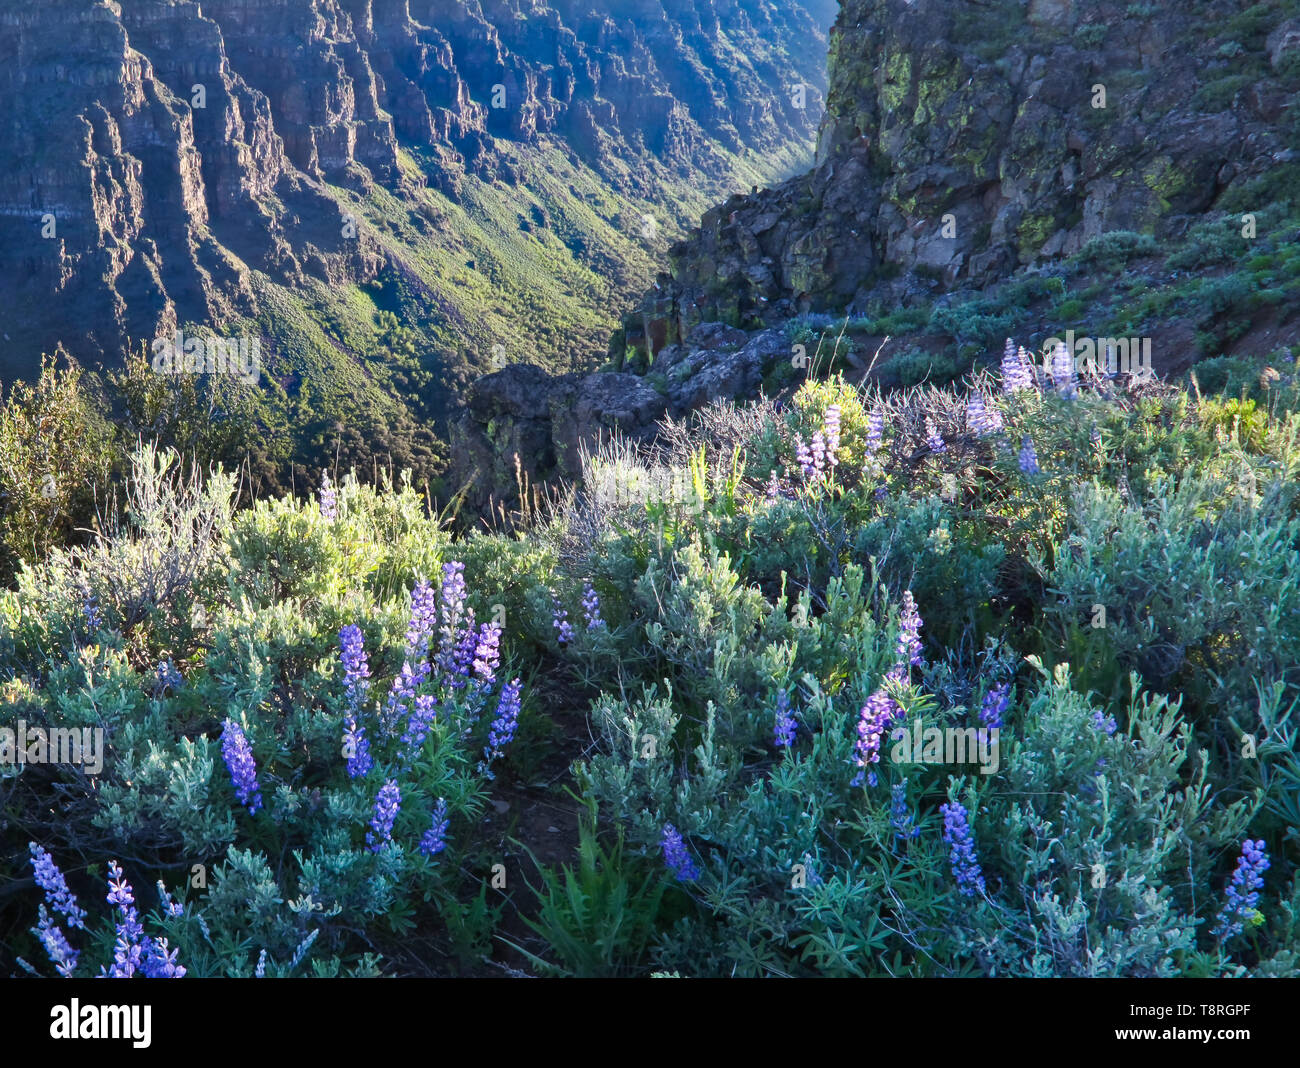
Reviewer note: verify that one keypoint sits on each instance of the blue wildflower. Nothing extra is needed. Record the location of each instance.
(238, 755)
(965, 864)
(419, 723)
(487, 653)
(50, 879)
(1062, 370)
(875, 430)
(1104, 723)
(933, 437)
(160, 962)
(435, 838)
(994, 707)
(873, 720)
(1028, 456)
(785, 727)
(676, 857)
(90, 613)
(130, 942)
(591, 607)
(1243, 891)
(57, 948)
(1016, 374)
(560, 621)
(505, 724)
(329, 504)
(387, 804)
(909, 634)
(900, 813)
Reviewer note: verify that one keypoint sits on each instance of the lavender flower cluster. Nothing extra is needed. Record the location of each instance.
(961, 842)
(818, 459)
(1243, 891)
(676, 857)
(133, 950)
(238, 755)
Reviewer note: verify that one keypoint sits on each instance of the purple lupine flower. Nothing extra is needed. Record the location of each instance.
(994, 706)
(591, 607)
(329, 502)
(1015, 369)
(387, 804)
(1243, 891)
(356, 748)
(818, 449)
(424, 621)
(981, 418)
(831, 433)
(418, 724)
(356, 669)
(400, 694)
(900, 814)
(1062, 370)
(487, 653)
(57, 947)
(933, 438)
(435, 838)
(873, 721)
(462, 656)
(875, 430)
(57, 895)
(909, 632)
(961, 841)
(238, 755)
(160, 962)
(451, 614)
(560, 621)
(172, 908)
(168, 677)
(1028, 456)
(356, 680)
(90, 613)
(1104, 723)
(676, 857)
(804, 458)
(130, 944)
(505, 724)
(785, 727)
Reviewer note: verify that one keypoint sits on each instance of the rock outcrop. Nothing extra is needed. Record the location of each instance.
(963, 141)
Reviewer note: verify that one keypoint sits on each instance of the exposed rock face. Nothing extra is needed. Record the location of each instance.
(542, 422)
(962, 141)
(156, 154)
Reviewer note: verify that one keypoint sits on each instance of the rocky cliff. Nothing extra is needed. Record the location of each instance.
(966, 140)
(985, 168)
(500, 174)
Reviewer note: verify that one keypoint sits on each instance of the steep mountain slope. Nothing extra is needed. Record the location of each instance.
(499, 175)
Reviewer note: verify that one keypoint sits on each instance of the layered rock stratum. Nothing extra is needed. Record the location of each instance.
(500, 174)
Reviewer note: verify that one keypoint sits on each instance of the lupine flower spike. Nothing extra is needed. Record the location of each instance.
(1243, 891)
(961, 842)
(238, 755)
(676, 857)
